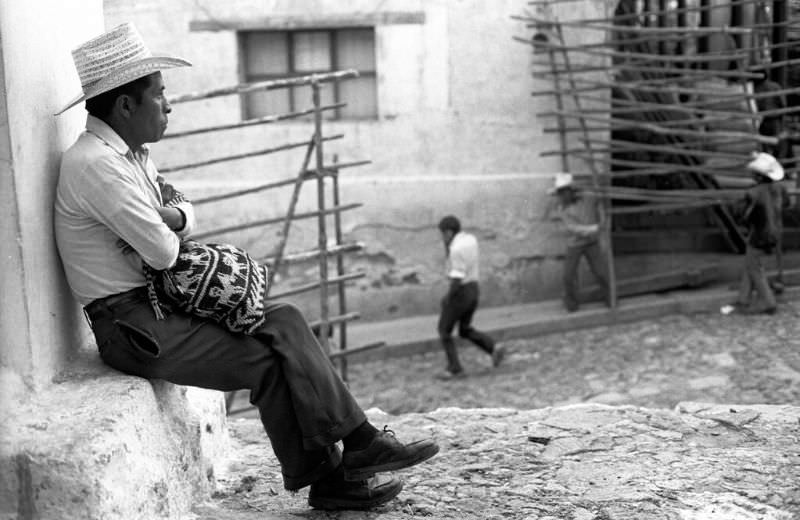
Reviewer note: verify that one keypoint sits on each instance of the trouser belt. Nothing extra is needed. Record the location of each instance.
(101, 304)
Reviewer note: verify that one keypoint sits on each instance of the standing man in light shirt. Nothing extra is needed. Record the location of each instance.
(461, 300)
(578, 214)
(110, 217)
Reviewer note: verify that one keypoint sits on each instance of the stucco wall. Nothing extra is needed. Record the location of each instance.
(39, 324)
(457, 133)
(72, 444)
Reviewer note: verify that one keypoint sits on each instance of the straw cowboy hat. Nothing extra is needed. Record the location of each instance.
(767, 165)
(114, 59)
(561, 181)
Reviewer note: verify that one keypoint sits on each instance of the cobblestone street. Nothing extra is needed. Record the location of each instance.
(643, 457)
(656, 364)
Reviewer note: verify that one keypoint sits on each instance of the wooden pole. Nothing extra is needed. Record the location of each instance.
(341, 289)
(287, 222)
(247, 155)
(270, 185)
(780, 15)
(322, 228)
(605, 217)
(264, 85)
(635, 17)
(560, 121)
(535, 22)
(264, 222)
(253, 122)
(668, 128)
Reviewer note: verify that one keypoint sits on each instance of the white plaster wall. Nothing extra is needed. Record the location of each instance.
(39, 323)
(457, 133)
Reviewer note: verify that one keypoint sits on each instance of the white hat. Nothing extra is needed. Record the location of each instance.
(114, 59)
(766, 165)
(562, 180)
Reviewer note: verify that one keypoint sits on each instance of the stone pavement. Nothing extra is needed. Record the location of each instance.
(579, 462)
(589, 461)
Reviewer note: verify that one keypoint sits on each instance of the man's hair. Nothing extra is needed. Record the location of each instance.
(450, 223)
(100, 106)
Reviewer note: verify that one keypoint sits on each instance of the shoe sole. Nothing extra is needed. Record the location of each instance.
(450, 376)
(332, 504)
(369, 471)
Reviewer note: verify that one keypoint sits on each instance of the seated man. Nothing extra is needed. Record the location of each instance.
(110, 217)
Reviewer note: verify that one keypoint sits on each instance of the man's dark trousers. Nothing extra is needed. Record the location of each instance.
(304, 405)
(597, 264)
(459, 309)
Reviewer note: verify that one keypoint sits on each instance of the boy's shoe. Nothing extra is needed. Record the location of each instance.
(758, 309)
(498, 354)
(446, 375)
(385, 453)
(365, 494)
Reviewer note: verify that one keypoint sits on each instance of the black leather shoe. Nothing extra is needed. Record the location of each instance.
(339, 494)
(498, 353)
(385, 453)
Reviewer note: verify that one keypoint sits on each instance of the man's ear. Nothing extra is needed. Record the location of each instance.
(125, 105)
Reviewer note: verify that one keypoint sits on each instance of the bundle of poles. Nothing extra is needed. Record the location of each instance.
(659, 106)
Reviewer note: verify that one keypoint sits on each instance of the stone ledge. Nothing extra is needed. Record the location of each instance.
(99, 444)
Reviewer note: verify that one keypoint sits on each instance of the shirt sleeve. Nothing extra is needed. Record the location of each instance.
(191, 221)
(115, 199)
(172, 197)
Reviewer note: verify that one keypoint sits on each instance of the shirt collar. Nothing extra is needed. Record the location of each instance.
(105, 133)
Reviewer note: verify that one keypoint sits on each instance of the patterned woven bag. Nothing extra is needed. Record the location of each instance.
(216, 281)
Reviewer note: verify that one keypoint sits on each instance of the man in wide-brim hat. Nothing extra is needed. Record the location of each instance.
(762, 216)
(579, 217)
(110, 217)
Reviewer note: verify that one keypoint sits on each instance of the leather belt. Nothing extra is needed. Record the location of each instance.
(136, 294)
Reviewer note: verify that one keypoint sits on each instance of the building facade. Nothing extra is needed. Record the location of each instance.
(442, 108)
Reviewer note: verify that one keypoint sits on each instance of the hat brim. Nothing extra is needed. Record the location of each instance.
(556, 189)
(126, 74)
(775, 175)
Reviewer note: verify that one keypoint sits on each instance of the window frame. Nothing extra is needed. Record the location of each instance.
(333, 54)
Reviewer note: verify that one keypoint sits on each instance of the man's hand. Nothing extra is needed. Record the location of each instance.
(591, 230)
(172, 217)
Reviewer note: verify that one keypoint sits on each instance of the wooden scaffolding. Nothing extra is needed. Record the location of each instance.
(331, 246)
(659, 105)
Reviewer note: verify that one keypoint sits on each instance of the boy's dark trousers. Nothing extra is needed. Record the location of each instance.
(459, 309)
(304, 405)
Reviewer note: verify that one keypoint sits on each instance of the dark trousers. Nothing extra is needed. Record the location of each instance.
(597, 263)
(304, 405)
(459, 309)
(754, 278)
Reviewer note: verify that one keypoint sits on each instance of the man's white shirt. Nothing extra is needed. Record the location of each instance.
(462, 262)
(107, 194)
